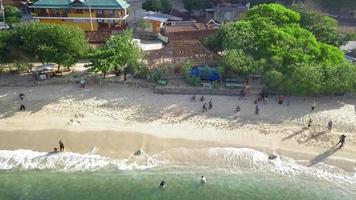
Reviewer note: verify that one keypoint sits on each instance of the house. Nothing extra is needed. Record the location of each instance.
(189, 30)
(228, 11)
(89, 15)
(154, 22)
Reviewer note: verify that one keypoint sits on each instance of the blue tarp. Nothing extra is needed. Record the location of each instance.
(209, 73)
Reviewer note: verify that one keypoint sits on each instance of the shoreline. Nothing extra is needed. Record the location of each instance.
(115, 110)
(121, 145)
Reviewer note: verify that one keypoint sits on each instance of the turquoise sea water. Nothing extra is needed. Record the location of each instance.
(181, 184)
(237, 174)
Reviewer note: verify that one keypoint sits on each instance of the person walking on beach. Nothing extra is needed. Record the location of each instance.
(193, 98)
(210, 104)
(330, 125)
(21, 96)
(203, 180)
(22, 107)
(202, 98)
(238, 109)
(82, 83)
(61, 145)
(341, 141)
(313, 107)
(257, 110)
(310, 122)
(204, 107)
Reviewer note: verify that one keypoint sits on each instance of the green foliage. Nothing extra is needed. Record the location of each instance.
(194, 81)
(157, 75)
(52, 43)
(157, 5)
(187, 71)
(196, 4)
(274, 79)
(125, 51)
(5, 45)
(101, 60)
(237, 61)
(325, 28)
(187, 68)
(12, 15)
(273, 41)
(119, 53)
(349, 36)
(274, 13)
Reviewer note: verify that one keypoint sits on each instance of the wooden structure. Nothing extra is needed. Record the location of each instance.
(179, 51)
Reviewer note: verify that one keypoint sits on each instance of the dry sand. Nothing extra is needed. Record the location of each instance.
(119, 119)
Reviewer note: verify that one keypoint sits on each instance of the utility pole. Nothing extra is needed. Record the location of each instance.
(91, 18)
(3, 13)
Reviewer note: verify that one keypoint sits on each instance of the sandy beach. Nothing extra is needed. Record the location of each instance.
(117, 120)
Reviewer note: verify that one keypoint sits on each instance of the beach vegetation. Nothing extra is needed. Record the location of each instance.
(157, 5)
(52, 43)
(120, 53)
(12, 15)
(273, 41)
(325, 28)
(196, 4)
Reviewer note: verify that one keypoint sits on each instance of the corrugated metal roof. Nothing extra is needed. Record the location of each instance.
(95, 4)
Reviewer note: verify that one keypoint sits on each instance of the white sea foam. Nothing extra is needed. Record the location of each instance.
(237, 159)
(69, 161)
(232, 159)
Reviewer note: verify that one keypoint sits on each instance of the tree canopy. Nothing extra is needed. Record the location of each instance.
(12, 15)
(120, 52)
(325, 28)
(196, 4)
(157, 5)
(290, 56)
(59, 44)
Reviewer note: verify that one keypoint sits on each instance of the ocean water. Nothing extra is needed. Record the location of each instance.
(241, 174)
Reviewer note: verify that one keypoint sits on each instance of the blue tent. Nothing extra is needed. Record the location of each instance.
(209, 73)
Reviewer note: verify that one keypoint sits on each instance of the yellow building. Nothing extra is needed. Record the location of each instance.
(89, 15)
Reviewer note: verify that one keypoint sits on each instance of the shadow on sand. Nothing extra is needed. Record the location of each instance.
(315, 136)
(295, 134)
(323, 156)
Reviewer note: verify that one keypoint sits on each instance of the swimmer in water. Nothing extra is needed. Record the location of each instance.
(162, 184)
(203, 180)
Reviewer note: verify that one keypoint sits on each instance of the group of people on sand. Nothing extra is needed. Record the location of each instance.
(163, 183)
(206, 106)
(61, 146)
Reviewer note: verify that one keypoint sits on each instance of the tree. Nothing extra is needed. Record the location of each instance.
(4, 46)
(12, 15)
(101, 60)
(60, 44)
(325, 28)
(120, 53)
(196, 4)
(290, 57)
(275, 13)
(237, 61)
(126, 51)
(157, 5)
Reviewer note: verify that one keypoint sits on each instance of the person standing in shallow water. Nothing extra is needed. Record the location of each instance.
(162, 184)
(61, 145)
(203, 180)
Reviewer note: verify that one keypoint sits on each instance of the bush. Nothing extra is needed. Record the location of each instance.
(194, 81)
(273, 80)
